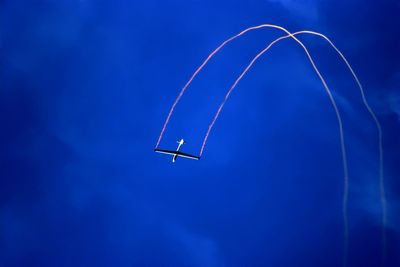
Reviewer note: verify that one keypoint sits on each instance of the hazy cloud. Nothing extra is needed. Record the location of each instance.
(304, 8)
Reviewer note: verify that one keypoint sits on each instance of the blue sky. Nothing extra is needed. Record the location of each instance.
(86, 87)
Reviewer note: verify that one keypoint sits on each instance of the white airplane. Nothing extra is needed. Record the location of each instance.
(177, 153)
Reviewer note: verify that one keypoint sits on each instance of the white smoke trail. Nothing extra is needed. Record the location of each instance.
(202, 66)
(344, 158)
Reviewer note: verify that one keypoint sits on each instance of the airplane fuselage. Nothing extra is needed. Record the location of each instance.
(180, 143)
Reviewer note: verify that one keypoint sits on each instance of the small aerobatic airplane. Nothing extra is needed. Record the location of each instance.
(177, 153)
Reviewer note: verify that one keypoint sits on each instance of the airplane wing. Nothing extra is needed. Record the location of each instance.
(181, 154)
(173, 153)
(169, 152)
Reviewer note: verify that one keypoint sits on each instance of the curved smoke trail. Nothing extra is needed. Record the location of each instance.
(345, 195)
(202, 66)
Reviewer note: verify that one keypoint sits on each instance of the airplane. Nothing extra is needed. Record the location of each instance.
(177, 153)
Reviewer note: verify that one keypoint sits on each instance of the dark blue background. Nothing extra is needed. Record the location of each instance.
(85, 87)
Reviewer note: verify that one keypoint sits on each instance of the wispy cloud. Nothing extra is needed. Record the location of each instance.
(201, 250)
(394, 97)
(305, 8)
